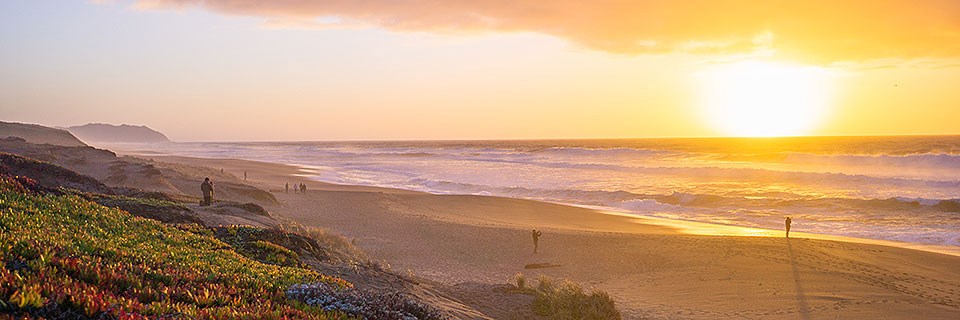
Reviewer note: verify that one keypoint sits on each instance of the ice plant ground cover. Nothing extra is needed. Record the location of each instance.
(369, 304)
(61, 255)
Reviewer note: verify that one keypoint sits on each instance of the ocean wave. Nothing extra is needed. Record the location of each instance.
(644, 205)
(636, 201)
(585, 197)
(759, 175)
(914, 171)
(924, 161)
(604, 152)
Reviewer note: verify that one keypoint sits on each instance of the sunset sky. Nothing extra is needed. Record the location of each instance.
(361, 69)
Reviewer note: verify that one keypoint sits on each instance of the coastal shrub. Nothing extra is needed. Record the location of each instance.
(521, 280)
(277, 246)
(193, 228)
(143, 201)
(248, 207)
(151, 208)
(544, 283)
(367, 304)
(262, 244)
(267, 252)
(62, 256)
(338, 248)
(567, 300)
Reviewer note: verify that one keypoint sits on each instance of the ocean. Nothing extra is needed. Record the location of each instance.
(901, 188)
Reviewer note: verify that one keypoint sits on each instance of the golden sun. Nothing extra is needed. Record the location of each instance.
(764, 99)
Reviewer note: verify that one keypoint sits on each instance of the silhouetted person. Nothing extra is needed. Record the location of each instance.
(286, 188)
(787, 224)
(207, 188)
(536, 240)
(303, 188)
(244, 176)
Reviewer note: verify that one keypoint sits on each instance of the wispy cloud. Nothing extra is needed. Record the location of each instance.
(821, 31)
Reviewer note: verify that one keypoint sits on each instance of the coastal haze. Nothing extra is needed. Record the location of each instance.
(479, 159)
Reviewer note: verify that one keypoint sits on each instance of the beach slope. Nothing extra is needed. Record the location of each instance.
(473, 244)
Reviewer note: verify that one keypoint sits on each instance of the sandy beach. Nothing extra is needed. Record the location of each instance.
(473, 245)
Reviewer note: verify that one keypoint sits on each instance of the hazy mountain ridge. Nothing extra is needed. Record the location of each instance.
(102, 132)
(38, 134)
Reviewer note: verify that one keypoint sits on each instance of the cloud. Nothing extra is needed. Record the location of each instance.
(820, 31)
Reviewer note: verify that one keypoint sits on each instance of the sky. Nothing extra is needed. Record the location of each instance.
(242, 70)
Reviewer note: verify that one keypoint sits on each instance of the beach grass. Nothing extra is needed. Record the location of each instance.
(566, 300)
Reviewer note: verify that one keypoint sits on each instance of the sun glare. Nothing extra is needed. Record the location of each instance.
(764, 99)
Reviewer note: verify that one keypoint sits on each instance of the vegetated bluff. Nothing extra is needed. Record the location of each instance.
(38, 134)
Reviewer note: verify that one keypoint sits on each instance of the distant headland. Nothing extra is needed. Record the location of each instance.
(101, 132)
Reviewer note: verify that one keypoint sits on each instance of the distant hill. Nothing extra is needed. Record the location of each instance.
(38, 134)
(101, 132)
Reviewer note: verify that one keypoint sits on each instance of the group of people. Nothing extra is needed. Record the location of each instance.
(296, 186)
(207, 188)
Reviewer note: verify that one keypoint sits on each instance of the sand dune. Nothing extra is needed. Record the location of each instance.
(472, 244)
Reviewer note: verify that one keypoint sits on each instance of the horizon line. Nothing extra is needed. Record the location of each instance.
(581, 139)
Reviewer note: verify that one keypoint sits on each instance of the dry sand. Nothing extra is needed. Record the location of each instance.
(474, 244)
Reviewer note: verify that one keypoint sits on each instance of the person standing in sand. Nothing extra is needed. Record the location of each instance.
(787, 225)
(303, 188)
(536, 240)
(207, 188)
(286, 188)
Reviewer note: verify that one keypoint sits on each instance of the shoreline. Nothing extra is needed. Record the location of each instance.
(472, 245)
(302, 173)
(711, 229)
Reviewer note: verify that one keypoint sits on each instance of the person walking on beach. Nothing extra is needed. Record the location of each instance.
(286, 188)
(303, 188)
(244, 176)
(536, 240)
(787, 224)
(207, 188)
